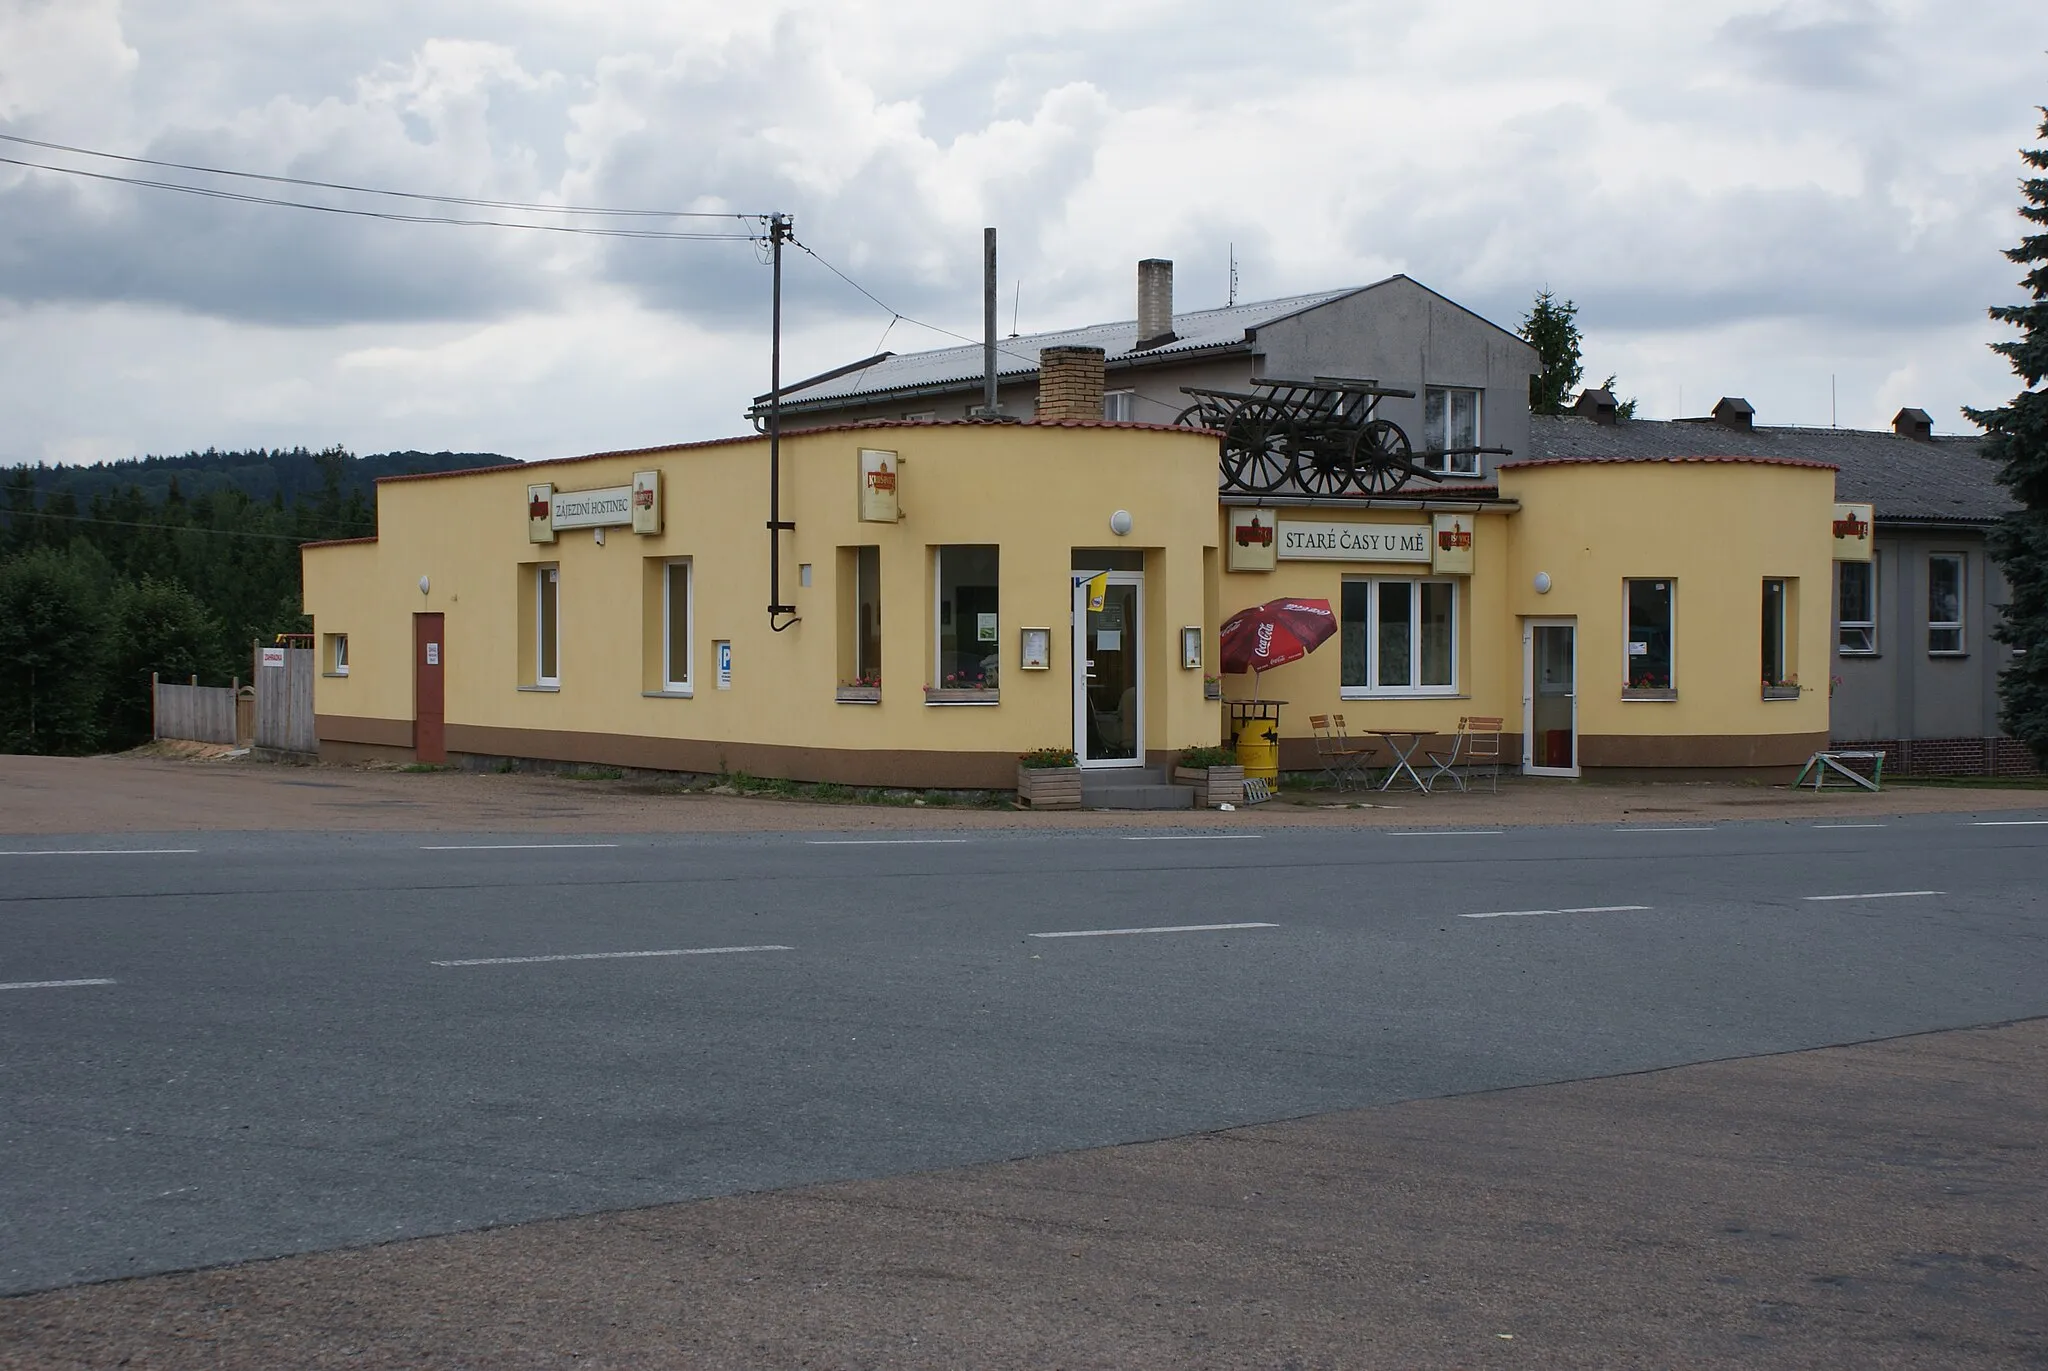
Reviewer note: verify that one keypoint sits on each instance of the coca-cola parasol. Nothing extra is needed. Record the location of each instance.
(1274, 634)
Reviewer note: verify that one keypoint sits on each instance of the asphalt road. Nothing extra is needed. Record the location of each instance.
(280, 1044)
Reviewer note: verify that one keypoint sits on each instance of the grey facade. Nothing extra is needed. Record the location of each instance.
(1928, 697)
(1397, 332)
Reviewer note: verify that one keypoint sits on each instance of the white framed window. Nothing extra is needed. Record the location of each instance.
(678, 616)
(923, 416)
(1856, 608)
(1647, 652)
(1450, 419)
(1399, 637)
(547, 625)
(1120, 405)
(966, 621)
(337, 654)
(1945, 604)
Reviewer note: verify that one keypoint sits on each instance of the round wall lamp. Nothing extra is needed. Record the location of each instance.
(1120, 522)
(425, 585)
(1542, 583)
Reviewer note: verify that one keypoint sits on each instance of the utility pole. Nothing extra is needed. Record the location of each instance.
(1233, 273)
(989, 407)
(780, 230)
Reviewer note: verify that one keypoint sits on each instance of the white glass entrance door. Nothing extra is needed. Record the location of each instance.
(1550, 697)
(1109, 673)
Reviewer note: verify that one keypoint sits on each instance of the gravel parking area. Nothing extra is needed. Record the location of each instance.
(136, 794)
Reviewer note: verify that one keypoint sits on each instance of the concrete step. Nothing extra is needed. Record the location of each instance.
(1095, 778)
(1138, 797)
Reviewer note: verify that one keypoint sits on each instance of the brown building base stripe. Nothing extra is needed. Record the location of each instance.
(347, 728)
(901, 767)
(346, 739)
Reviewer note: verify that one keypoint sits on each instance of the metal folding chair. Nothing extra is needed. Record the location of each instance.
(1342, 759)
(1445, 764)
(1474, 751)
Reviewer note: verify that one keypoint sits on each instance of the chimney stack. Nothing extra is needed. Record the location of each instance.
(1732, 411)
(1914, 424)
(1598, 405)
(1155, 303)
(1069, 384)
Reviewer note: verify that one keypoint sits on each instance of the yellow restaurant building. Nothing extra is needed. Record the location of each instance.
(1623, 617)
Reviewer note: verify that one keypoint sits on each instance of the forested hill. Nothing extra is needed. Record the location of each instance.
(162, 564)
(290, 475)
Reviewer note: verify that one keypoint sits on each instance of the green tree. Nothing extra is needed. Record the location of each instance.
(53, 649)
(154, 626)
(2018, 440)
(1552, 329)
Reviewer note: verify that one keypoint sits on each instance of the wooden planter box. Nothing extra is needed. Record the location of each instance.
(1214, 785)
(859, 695)
(1049, 787)
(1784, 692)
(1664, 693)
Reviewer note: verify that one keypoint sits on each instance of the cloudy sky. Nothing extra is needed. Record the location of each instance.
(1742, 198)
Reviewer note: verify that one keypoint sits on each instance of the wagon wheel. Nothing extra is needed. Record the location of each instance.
(1258, 456)
(1325, 464)
(1201, 414)
(1381, 460)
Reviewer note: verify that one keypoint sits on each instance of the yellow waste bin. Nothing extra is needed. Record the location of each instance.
(1255, 733)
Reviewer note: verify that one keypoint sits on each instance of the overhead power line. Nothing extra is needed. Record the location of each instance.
(372, 190)
(896, 314)
(215, 193)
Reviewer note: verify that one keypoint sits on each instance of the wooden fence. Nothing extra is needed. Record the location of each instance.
(201, 714)
(284, 699)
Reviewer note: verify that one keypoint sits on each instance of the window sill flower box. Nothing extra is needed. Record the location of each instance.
(959, 695)
(1781, 692)
(1665, 693)
(858, 695)
(1214, 785)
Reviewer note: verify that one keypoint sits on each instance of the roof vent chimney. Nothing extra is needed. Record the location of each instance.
(1069, 384)
(1598, 405)
(1914, 424)
(1155, 303)
(1732, 411)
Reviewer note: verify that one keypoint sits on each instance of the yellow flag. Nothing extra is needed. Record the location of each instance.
(1098, 587)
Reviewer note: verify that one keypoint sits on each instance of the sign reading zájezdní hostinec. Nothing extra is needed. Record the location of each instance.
(1303, 540)
(550, 511)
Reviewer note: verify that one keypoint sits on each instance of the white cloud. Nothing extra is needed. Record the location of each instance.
(1743, 197)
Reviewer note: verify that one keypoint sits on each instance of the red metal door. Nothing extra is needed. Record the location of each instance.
(429, 650)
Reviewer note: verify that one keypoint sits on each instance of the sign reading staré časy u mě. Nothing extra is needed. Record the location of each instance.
(1303, 540)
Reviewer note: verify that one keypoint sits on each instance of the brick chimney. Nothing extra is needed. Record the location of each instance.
(1598, 405)
(1155, 303)
(1732, 411)
(1914, 424)
(1069, 384)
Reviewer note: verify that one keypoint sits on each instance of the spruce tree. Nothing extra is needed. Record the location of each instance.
(1552, 329)
(2018, 440)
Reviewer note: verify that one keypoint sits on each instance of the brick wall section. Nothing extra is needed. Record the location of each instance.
(1070, 383)
(1950, 756)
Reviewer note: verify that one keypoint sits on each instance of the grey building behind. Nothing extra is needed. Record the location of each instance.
(1915, 668)
(1470, 376)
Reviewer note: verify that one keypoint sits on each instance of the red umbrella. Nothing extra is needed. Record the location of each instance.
(1274, 634)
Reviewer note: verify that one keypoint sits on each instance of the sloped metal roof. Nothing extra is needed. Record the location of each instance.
(1943, 479)
(1195, 331)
